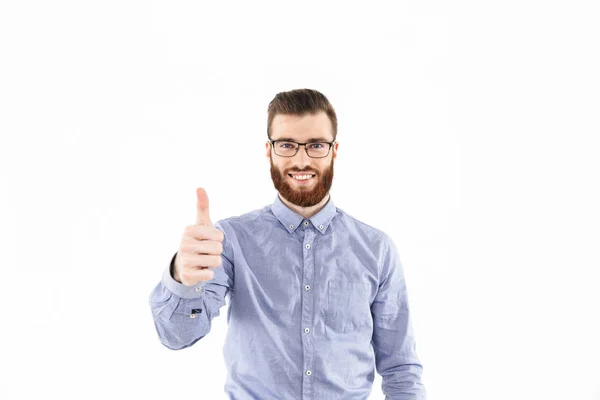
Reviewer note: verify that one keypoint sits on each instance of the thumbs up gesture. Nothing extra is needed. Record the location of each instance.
(201, 247)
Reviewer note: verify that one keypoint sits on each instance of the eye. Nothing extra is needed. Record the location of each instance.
(316, 146)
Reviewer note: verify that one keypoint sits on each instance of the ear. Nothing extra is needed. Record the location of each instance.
(268, 149)
(335, 149)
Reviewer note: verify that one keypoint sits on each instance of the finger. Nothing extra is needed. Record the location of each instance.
(202, 260)
(198, 275)
(211, 247)
(201, 232)
(202, 216)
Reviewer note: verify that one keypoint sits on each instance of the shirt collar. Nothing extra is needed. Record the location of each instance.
(292, 220)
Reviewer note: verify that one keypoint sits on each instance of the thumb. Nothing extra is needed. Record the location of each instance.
(202, 217)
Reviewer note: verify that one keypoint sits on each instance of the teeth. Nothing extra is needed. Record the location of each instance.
(302, 177)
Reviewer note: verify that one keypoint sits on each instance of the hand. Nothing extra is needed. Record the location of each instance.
(201, 247)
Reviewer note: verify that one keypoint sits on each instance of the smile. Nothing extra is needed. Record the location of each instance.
(301, 178)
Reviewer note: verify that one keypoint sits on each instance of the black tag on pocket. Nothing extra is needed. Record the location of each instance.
(196, 310)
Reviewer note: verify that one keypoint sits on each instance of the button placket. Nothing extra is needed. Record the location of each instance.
(308, 301)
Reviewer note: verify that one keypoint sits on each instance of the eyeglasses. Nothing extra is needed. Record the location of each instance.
(284, 148)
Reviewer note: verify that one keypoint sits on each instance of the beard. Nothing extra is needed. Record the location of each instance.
(303, 197)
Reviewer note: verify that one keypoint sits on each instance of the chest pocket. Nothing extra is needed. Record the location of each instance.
(348, 307)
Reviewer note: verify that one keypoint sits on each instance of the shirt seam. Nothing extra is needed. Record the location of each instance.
(384, 255)
(181, 302)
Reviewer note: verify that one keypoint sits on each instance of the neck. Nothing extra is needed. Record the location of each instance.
(306, 212)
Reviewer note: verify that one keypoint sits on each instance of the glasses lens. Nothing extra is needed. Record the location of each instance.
(285, 149)
(317, 149)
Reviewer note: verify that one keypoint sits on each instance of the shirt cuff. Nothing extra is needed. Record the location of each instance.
(179, 289)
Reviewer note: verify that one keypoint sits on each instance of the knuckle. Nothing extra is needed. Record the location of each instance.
(204, 261)
(217, 234)
(210, 261)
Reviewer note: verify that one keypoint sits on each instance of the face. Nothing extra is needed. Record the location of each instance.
(303, 193)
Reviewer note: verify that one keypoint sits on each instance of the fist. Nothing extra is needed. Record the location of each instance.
(200, 248)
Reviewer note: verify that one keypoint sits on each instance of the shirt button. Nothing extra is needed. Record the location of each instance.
(320, 226)
(192, 315)
(291, 226)
(308, 372)
(305, 223)
(308, 246)
(306, 330)
(199, 288)
(307, 287)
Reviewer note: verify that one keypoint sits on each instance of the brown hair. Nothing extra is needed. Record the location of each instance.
(301, 102)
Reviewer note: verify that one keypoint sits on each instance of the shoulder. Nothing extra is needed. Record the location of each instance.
(237, 227)
(240, 221)
(376, 240)
(354, 224)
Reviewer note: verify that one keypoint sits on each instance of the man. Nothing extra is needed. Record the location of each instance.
(317, 298)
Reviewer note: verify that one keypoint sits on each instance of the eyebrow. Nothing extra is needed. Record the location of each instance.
(287, 139)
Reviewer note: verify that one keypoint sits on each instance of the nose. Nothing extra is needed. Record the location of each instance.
(302, 157)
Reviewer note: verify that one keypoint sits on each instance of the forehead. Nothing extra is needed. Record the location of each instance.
(301, 129)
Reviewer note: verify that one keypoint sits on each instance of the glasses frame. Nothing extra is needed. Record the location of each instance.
(301, 144)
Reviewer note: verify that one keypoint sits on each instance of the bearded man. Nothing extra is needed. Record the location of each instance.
(317, 298)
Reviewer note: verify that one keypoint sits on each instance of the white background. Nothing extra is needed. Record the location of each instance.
(468, 132)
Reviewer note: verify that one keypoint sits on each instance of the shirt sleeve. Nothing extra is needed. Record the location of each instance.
(183, 314)
(393, 339)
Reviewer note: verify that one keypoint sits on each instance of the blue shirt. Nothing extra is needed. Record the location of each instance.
(314, 306)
